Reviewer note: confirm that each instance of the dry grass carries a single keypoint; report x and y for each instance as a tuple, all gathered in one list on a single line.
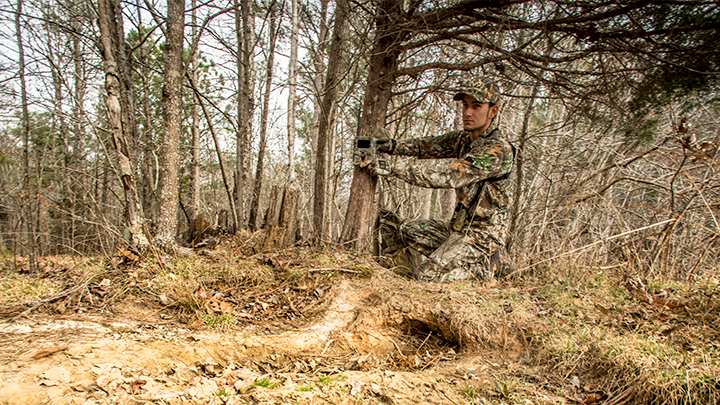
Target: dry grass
[(656, 342), (214, 290), (19, 288), (15, 288)]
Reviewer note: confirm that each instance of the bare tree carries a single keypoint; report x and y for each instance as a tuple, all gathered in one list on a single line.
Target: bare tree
[(194, 200), (28, 211), (254, 207), (332, 81), (172, 99), (119, 112), (292, 89), (318, 63), (245, 32)]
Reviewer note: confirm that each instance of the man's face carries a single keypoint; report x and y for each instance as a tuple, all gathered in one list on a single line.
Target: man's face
[(477, 116)]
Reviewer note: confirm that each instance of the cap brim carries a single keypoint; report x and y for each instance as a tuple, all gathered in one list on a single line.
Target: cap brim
[(459, 96)]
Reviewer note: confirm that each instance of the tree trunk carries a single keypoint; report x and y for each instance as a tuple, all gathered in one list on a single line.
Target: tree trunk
[(118, 119), (172, 125), (514, 236), (318, 80), (292, 91), (150, 170), (27, 203), (382, 69), (254, 207), (244, 30), (194, 200), (67, 215), (332, 81)]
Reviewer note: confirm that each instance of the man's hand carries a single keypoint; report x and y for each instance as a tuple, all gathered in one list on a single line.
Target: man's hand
[(385, 145)]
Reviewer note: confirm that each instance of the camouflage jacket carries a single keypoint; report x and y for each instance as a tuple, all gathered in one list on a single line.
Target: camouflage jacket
[(477, 171)]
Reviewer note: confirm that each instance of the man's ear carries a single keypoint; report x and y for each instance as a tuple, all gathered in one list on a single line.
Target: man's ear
[(492, 111)]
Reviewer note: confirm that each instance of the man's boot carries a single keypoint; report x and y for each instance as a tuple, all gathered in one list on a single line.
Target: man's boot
[(393, 253)]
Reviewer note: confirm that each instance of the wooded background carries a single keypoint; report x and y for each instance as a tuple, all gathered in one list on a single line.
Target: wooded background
[(127, 124)]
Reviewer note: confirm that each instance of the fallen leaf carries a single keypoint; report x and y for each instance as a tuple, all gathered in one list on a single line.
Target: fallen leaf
[(602, 309), (48, 351), (136, 386)]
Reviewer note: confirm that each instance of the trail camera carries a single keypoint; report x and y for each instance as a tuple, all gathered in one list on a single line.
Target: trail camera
[(365, 153)]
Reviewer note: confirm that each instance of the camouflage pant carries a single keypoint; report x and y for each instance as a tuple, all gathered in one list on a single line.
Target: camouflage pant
[(437, 254)]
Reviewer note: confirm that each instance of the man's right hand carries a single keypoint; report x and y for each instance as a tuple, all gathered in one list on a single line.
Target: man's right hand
[(380, 167)]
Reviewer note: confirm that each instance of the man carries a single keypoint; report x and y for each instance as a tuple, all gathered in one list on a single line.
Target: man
[(476, 162)]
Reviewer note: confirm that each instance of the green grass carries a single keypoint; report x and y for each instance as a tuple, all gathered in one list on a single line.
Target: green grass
[(470, 392), (265, 383), (218, 321), (17, 288), (324, 379)]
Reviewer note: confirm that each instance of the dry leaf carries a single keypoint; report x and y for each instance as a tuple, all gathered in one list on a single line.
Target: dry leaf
[(602, 309), (136, 386), (48, 351)]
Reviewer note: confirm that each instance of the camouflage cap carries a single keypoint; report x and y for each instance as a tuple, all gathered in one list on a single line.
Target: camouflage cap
[(481, 89)]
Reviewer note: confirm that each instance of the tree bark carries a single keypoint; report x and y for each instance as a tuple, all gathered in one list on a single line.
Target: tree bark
[(172, 125), (149, 170), (118, 119), (254, 207), (332, 81)]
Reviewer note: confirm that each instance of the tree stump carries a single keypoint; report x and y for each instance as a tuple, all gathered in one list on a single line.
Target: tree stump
[(279, 225)]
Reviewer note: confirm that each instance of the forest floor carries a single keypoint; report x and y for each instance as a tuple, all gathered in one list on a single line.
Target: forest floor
[(311, 326)]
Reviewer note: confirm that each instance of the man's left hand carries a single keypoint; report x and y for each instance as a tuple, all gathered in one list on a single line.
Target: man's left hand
[(379, 167), (385, 145)]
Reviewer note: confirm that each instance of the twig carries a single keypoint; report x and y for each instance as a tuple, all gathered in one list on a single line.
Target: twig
[(717, 226), (423, 342), (397, 347), (327, 346), (54, 298), (577, 361), (334, 269), (49, 351), (431, 361), (626, 395)]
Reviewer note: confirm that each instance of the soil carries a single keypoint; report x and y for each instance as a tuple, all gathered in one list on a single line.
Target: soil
[(357, 339)]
